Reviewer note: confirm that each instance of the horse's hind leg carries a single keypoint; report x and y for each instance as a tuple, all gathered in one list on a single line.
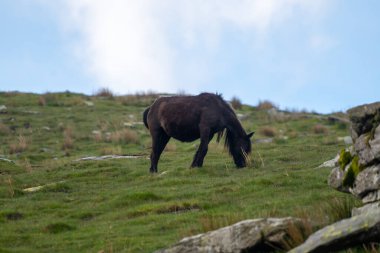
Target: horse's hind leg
[(159, 141), (203, 147)]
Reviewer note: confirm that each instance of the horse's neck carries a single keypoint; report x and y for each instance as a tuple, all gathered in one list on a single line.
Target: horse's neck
[(234, 126)]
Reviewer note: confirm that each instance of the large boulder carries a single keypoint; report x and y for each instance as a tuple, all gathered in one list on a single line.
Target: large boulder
[(335, 180), (367, 146), (364, 118), (367, 182), (360, 229), (245, 236)]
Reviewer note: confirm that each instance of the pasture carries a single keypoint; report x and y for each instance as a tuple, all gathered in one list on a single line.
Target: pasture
[(116, 205)]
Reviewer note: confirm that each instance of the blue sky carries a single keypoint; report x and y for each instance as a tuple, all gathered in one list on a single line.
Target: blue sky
[(321, 55)]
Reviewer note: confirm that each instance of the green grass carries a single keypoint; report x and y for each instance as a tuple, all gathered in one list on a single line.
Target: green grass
[(117, 205)]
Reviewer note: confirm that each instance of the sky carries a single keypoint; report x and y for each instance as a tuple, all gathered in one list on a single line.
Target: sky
[(319, 55)]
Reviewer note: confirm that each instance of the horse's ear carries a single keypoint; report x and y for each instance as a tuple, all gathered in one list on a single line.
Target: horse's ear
[(250, 134)]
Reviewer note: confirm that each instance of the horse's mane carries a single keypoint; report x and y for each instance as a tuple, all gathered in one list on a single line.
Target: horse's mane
[(227, 105), (230, 136)]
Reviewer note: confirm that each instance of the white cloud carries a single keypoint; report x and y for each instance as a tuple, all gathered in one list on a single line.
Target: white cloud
[(132, 45)]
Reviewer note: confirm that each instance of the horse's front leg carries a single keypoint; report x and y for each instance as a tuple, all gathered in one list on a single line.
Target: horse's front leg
[(159, 141), (202, 149)]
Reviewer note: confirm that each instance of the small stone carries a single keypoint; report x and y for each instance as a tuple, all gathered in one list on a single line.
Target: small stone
[(330, 163), (366, 208), (266, 140), (371, 197), (89, 103), (346, 139)]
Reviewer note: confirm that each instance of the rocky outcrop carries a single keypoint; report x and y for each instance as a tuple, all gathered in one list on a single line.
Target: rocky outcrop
[(367, 146), (367, 182), (246, 236), (358, 168), (363, 118), (357, 172), (354, 231)]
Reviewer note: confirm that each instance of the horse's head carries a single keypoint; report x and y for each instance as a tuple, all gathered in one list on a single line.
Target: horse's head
[(242, 149)]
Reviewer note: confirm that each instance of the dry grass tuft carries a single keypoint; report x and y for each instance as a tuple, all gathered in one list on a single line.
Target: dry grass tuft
[(212, 222), (268, 131), (296, 234), (320, 129), (19, 146), (97, 136), (41, 101), (124, 136), (171, 147), (26, 164), (4, 130), (236, 103), (11, 190), (337, 209), (51, 99), (68, 141), (265, 105), (113, 150), (104, 92)]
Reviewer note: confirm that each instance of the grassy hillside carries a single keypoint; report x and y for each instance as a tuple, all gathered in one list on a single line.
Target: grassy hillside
[(117, 205)]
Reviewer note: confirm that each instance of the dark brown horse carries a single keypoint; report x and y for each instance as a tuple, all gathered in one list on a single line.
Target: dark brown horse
[(187, 118)]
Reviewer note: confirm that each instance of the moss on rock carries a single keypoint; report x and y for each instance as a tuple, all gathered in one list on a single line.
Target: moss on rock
[(352, 171), (345, 158)]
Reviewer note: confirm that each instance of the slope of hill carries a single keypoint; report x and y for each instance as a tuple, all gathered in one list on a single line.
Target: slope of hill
[(116, 205)]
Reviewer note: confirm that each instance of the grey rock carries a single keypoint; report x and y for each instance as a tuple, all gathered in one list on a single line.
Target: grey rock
[(371, 197), (330, 163), (106, 157), (356, 230), (362, 117), (265, 140), (368, 150), (89, 103), (335, 180), (365, 209), (31, 112), (367, 181), (96, 132), (6, 160), (346, 139), (354, 134), (239, 237)]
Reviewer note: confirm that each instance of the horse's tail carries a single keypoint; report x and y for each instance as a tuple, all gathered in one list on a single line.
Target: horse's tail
[(145, 117)]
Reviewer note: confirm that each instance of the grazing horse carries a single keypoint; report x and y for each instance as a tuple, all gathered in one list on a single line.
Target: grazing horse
[(187, 118)]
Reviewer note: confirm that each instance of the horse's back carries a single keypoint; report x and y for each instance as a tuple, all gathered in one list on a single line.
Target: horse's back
[(181, 116)]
